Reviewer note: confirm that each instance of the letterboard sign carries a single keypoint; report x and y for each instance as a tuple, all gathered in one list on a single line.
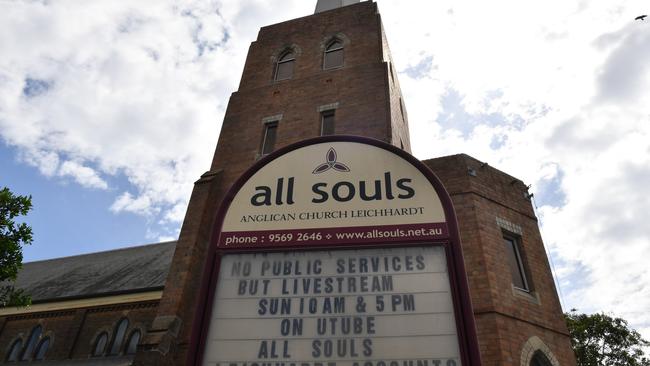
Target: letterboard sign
[(337, 251)]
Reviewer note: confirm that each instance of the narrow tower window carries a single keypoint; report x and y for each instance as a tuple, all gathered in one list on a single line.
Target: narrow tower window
[(517, 269), (327, 123), (270, 132), (285, 65), (333, 55)]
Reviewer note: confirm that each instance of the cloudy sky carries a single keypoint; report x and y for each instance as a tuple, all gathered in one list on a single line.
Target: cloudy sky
[(109, 110)]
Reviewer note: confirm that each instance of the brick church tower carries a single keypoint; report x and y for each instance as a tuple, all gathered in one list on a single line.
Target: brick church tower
[(332, 73)]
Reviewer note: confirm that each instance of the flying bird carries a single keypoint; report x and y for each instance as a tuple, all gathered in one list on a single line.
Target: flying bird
[(641, 17)]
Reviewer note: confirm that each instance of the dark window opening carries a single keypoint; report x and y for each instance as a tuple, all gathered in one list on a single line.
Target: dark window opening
[(118, 337), (31, 343), (540, 359), (401, 109), (285, 66), (517, 270), (333, 55), (132, 344), (100, 344), (327, 123), (42, 349), (270, 132), (14, 352)]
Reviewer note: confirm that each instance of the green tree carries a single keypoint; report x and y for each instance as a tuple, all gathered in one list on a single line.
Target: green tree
[(599, 339), (13, 237)]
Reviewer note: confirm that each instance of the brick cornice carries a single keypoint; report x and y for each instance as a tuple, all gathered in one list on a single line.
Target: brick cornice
[(487, 312), (461, 193)]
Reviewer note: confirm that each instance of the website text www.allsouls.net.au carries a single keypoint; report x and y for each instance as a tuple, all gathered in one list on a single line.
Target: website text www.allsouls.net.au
[(396, 233)]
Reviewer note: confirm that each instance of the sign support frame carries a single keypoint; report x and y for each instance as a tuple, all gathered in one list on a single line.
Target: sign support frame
[(463, 312)]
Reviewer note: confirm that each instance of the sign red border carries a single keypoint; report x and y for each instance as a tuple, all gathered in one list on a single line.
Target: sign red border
[(450, 240)]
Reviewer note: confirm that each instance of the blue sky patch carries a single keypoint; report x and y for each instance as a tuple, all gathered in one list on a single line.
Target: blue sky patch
[(36, 87), (572, 282), (454, 115), (66, 218), (549, 191), (421, 69), (498, 141)]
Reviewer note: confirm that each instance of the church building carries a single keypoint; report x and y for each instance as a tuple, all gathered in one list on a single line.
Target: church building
[(258, 277)]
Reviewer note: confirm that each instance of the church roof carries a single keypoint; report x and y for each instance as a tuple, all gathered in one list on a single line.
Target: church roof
[(134, 269)]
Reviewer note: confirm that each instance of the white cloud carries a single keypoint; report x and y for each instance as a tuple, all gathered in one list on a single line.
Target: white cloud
[(556, 93), (47, 162), (116, 89), (570, 83), (625, 75), (126, 202), (83, 175)]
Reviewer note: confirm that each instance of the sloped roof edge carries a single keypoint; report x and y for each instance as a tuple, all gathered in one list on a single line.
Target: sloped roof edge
[(123, 270)]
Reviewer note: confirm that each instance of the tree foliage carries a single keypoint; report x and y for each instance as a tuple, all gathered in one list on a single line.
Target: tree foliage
[(599, 339), (13, 236)]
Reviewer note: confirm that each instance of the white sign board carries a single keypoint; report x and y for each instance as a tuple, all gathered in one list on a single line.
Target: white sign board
[(334, 192), (352, 307)]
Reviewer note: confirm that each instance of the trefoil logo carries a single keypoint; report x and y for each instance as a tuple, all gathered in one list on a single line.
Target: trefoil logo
[(331, 163)]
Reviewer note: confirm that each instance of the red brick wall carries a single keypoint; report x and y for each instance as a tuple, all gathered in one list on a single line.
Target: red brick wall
[(106, 319), (56, 325), (505, 317), (368, 102), (398, 114), (366, 107), (72, 332)]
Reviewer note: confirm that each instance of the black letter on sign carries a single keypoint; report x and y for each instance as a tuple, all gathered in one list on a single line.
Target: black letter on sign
[(389, 186), (410, 192), (290, 191), (323, 195), (265, 197), (337, 196), (363, 191), (279, 192)]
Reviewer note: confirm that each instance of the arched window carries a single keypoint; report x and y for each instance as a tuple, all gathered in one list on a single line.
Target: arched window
[(132, 344), (31, 343), (333, 54), (41, 350), (14, 351), (100, 344), (540, 359), (536, 353), (285, 65), (118, 337)]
